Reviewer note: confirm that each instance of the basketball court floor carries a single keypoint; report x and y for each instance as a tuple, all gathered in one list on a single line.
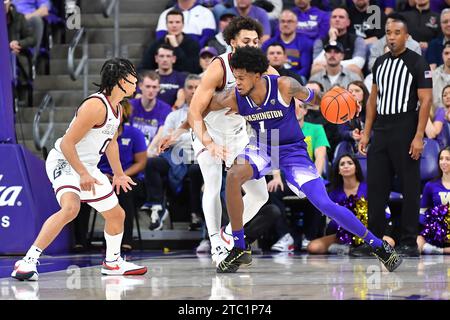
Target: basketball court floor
[(185, 276)]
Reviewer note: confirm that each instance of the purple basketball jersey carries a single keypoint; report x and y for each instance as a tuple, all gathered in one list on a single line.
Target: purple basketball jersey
[(274, 121)]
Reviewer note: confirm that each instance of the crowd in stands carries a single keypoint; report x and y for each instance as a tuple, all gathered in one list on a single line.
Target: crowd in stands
[(322, 44)]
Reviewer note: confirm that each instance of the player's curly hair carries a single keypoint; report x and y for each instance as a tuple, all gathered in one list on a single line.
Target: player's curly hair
[(250, 59), (112, 71), (241, 23)]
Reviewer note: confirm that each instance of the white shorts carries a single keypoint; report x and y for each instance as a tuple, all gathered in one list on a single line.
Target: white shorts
[(234, 145), (65, 179)]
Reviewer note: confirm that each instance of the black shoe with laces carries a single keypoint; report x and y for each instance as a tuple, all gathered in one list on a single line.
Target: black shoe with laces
[(388, 256), (235, 259)]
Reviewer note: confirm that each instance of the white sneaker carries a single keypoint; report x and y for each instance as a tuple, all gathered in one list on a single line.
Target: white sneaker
[(218, 254), (284, 244), (204, 246), (430, 249), (122, 268), (339, 249), (25, 269), (226, 235)]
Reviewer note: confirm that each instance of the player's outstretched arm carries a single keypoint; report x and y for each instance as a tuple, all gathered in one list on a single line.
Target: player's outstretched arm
[(211, 80), (291, 88)]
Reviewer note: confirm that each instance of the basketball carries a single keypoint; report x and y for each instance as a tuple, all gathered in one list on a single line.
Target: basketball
[(338, 105)]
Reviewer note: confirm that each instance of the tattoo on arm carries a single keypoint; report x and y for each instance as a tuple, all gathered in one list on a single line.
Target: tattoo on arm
[(297, 90)]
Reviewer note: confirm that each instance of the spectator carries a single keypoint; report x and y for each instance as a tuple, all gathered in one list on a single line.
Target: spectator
[(435, 193), (423, 24), (441, 75), (312, 22), (245, 8), (20, 38), (186, 49), (334, 73), (351, 130), (200, 22), (218, 42), (298, 48), (34, 11), (362, 22), (434, 130), (171, 81), (172, 164), (277, 57), (207, 55), (149, 112), (436, 46), (355, 48)]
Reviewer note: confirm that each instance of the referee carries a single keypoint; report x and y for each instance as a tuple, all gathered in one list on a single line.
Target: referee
[(397, 111)]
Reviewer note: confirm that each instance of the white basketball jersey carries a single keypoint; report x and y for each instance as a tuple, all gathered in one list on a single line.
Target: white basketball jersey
[(217, 122), (93, 145)]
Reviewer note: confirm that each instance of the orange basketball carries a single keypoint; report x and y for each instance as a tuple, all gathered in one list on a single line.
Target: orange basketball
[(338, 105)]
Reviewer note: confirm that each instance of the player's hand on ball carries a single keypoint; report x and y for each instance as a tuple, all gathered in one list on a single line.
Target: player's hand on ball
[(123, 182), (88, 182)]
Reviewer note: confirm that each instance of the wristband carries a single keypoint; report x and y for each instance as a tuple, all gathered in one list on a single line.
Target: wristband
[(310, 96)]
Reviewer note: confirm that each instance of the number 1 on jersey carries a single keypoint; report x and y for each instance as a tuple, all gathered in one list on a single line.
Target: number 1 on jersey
[(261, 126)]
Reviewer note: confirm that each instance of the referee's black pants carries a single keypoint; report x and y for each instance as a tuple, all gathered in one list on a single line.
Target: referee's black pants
[(389, 155)]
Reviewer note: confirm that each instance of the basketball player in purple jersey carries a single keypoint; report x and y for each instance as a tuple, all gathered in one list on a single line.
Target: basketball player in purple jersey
[(267, 103)]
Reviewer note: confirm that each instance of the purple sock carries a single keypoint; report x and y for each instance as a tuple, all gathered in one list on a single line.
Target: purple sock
[(316, 193), (238, 237)]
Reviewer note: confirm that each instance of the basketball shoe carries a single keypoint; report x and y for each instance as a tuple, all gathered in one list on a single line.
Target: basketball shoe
[(284, 244), (25, 269), (226, 235), (122, 267), (235, 259), (219, 250), (388, 256)]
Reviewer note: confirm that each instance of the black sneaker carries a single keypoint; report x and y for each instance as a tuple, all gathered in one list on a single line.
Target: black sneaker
[(388, 256), (235, 258), (408, 251), (363, 250)]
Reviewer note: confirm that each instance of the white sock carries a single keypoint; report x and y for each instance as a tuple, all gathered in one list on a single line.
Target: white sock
[(256, 195), (430, 249), (113, 246), (33, 253)]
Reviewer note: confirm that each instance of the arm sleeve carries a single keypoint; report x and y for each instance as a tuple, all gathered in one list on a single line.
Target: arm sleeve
[(41, 3), (161, 27), (148, 59), (27, 38), (318, 53), (208, 28), (427, 198), (423, 74), (324, 25), (375, 51)]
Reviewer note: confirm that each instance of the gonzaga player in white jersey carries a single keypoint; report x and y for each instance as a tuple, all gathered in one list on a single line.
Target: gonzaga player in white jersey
[(72, 168), (228, 133)]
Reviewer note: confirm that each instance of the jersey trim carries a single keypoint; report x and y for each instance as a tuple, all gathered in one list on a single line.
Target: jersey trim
[(99, 199), (115, 112), (224, 78), (97, 126), (65, 187)]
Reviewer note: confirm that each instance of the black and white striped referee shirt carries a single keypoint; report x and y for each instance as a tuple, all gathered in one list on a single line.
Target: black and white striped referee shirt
[(398, 79)]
